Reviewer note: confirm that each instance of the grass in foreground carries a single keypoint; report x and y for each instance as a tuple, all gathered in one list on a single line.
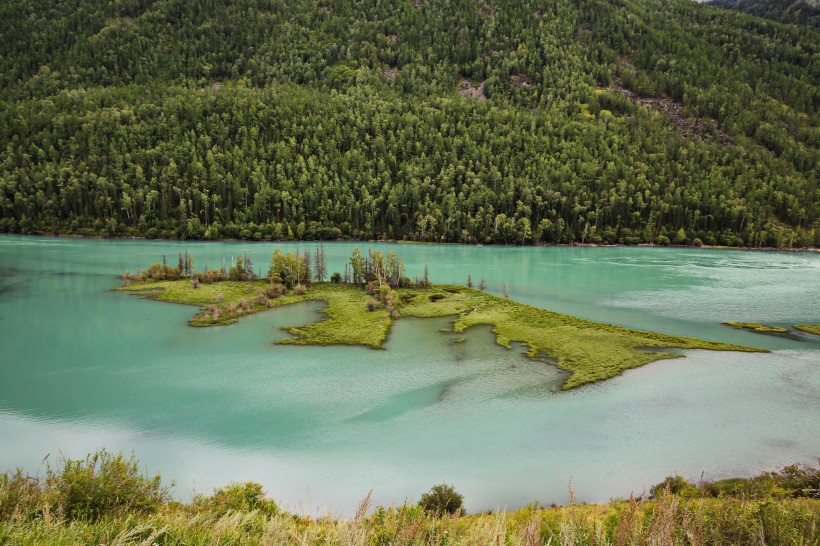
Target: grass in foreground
[(668, 521), (810, 328), (757, 327), (590, 351), (105, 500)]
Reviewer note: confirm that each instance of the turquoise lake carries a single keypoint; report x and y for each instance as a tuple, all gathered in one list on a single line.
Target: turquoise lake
[(84, 367)]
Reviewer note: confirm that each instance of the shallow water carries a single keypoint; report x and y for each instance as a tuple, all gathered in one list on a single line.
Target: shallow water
[(84, 367)]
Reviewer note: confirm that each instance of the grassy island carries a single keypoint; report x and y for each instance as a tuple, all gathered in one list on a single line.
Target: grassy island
[(361, 311), (810, 328), (757, 327)]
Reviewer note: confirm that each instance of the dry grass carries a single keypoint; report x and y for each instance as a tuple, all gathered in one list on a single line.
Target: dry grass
[(669, 521)]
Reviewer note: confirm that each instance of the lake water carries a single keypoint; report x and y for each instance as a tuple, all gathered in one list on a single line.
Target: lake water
[(84, 367)]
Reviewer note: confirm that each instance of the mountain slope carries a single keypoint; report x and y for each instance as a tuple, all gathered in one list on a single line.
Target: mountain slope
[(785, 11), (473, 121)]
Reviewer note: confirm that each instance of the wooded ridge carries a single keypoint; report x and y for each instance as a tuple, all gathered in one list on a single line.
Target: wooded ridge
[(584, 121)]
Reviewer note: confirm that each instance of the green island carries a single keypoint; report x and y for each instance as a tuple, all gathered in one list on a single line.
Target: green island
[(105, 499), (363, 303), (757, 327), (810, 328)]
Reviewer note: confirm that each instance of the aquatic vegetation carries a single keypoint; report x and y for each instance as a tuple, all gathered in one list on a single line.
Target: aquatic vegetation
[(590, 351), (757, 327), (810, 328)]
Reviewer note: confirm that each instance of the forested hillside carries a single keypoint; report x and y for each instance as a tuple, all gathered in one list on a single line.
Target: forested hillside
[(798, 12), (485, 121)]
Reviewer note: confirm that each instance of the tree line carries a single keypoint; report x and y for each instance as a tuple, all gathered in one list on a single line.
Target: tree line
[(291, 269)]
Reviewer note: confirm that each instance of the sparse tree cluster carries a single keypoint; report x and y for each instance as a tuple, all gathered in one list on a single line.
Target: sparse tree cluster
[(292, 269), (242, 269), (289, 269)]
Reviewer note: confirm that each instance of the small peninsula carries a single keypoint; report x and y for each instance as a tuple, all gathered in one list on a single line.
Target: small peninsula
[(809, 328), (757, 327), (363, 302)]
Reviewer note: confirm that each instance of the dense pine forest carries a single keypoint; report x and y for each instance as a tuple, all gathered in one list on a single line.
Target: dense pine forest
[(801, 12), (476, 121)]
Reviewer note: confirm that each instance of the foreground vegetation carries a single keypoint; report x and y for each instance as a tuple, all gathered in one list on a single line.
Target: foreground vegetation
[(104, 500), (655, 121), (360, 312)]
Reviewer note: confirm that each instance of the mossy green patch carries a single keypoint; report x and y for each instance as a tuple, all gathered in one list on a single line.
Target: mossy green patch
[(757, 327), (590, 351), (810, 328), (348, 321)]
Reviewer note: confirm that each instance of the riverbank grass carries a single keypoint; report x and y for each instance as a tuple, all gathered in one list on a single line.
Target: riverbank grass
[(589, 351), (106, 499), (670, 520)]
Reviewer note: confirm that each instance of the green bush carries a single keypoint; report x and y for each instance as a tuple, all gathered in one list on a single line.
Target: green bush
[(103, 484), (236, 497), (676, 485), (20, 496), (791, 481), (797, 480), (442, 498)]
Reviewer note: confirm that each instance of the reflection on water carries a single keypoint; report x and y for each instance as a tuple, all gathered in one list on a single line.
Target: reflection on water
[(84, 367)]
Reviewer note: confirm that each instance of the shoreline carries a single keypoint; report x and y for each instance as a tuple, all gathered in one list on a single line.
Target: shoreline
[(812, 249)]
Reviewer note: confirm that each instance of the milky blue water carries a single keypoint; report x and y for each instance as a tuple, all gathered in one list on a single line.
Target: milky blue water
[(84, 367)]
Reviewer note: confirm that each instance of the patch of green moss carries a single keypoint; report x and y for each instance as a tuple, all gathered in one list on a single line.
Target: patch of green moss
[(347, 321), (757, 327), (810, 328), (590, 351)]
